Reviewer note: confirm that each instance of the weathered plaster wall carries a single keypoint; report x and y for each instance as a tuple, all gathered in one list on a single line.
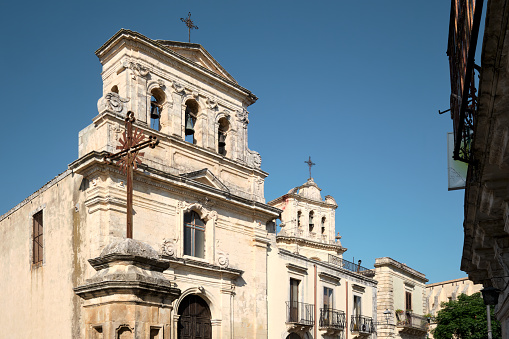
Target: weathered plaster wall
[(38, 300)]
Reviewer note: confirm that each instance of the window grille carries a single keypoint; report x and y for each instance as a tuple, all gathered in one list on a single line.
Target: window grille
[(37, 238)]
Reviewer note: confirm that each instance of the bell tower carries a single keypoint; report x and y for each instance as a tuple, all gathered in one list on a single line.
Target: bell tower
[(183, 96), (308, 222)]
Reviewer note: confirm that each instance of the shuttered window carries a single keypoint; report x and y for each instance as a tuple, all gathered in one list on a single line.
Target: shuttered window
[(37, 238), (408, 300)]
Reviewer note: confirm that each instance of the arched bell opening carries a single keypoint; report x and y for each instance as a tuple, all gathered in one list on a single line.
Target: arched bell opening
[(222, 133), (323, 225), (194, 318), (311, 222), (156, 107), (190, 117)]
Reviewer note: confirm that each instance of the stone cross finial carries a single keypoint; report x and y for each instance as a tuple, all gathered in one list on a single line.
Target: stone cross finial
[(310, 163)]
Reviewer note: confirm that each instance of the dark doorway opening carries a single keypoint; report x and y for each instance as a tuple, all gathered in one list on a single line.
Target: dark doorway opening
[(194, 321)]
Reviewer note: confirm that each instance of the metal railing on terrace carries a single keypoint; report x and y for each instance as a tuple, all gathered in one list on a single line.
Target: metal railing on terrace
[(410, 320), (362, 323), (331, 318), (300, 313), (350, 266)]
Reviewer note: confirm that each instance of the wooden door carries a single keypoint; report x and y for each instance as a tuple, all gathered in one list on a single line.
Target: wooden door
[(194, 321)]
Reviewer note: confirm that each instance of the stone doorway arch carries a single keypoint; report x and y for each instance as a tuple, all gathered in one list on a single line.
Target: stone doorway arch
[(194, 319), (293, 335)]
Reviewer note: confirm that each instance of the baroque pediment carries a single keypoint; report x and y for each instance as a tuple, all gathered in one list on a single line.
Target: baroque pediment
[(197, 54), (206, 177)]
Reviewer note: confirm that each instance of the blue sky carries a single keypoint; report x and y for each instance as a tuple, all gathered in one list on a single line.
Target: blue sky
[(356, 85)]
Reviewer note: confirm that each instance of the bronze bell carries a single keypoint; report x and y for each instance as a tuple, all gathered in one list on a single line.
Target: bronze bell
[(189, 125), (222, 140), (154, 112)]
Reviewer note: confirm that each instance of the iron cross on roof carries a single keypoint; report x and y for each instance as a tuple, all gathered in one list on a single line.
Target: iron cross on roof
[(310, 163), (128, 160), (189, 23)]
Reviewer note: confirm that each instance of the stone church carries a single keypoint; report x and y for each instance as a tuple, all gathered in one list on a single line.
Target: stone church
[(202, 257)]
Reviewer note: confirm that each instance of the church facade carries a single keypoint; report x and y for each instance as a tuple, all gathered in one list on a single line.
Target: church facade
[(196, 266), (203, 257)]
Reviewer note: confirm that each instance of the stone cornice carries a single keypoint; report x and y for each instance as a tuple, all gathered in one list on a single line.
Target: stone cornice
[(448, 282), (329, 278), (301, 198), (386, 261), (137, 37), (346, 273), (169, 139), (176, 263), (297, 269), (93, 162), (310, 243)]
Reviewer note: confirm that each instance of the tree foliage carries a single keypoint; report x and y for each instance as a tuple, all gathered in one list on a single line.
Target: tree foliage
[(465, 318)]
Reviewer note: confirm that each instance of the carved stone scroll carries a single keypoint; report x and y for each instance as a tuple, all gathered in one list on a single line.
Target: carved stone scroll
[(113, 102)]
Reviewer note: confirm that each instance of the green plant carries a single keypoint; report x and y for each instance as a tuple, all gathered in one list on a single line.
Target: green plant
[(465, 318), (398, 311)]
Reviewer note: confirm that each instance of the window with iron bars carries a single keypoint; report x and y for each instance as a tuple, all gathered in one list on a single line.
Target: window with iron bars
[(37, 238)]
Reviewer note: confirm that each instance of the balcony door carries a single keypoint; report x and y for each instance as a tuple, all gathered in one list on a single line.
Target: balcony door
[(294, 300), (327, 305)]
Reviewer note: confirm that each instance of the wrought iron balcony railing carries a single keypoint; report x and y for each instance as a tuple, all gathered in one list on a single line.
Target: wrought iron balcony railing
[(300, 313), (331, 318), (410, 320), (350, 266), (464, 28), (361, 323)]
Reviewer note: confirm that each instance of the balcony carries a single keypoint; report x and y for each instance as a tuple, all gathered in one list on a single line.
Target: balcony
[(362, 325), (350, 266), (332, 321), (299, 316), (412, 324)]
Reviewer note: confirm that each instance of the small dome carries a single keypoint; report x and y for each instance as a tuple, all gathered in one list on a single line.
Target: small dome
[(310, 190), (130, 246)]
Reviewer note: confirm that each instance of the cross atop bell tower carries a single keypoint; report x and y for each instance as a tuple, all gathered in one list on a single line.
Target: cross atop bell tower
[(310, 164)]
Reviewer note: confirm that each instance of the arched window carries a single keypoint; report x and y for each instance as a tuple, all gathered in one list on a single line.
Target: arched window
[(311, 224), (190, 117), (224, 125), (194, 235), (114, 89), (323, 225), (299, 217), (156, 106)]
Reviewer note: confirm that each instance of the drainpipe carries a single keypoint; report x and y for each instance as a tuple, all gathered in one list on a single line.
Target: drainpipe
[(316, 326), (346, 311)]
